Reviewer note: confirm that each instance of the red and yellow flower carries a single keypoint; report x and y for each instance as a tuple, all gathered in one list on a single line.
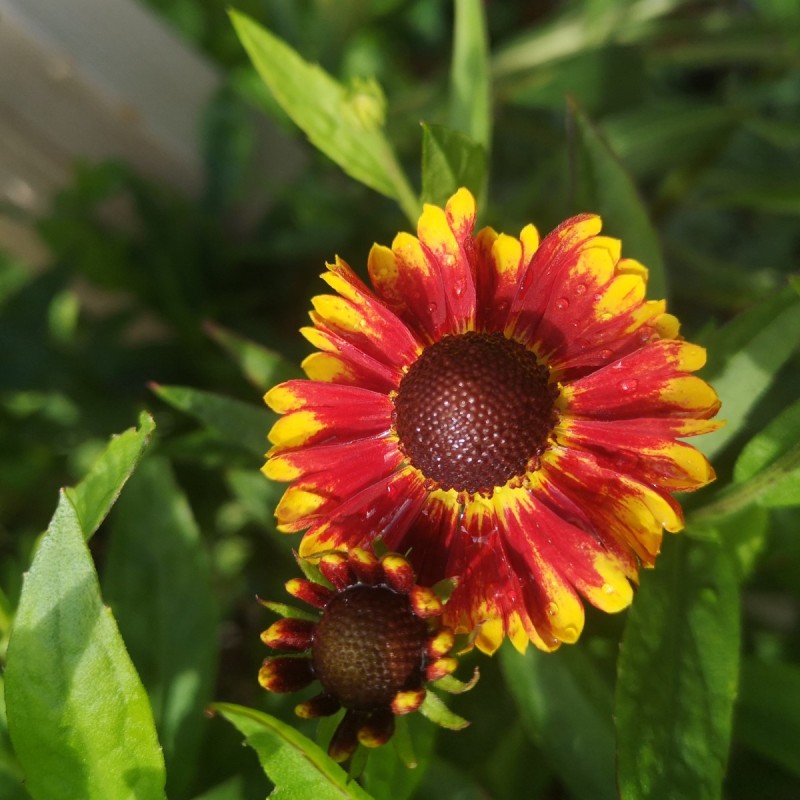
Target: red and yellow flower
[(375, 646), (506, 410)]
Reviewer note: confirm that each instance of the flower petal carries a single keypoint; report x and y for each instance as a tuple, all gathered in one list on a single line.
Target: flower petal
[(650, 382), (383, 509)]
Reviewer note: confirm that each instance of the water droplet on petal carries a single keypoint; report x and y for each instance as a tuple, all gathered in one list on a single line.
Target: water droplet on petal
[(580, 289), (582, 343), (608, 589), (459, 288), (432, 308), (562, 304), (552, 609), (629, 385), (605, 354)]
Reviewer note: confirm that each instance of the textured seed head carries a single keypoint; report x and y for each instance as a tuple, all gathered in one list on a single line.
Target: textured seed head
[(368, 646), (474, 410)]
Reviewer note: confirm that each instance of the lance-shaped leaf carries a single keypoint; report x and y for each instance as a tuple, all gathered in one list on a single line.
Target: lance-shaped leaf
[(157, 580), (566, 708), (345, 124), (604, 186), (297, 766), (450, 160), (238, 423), (78, 716), (260, 365), (96, 493), (677, 676), (748, 352), (470, 81)]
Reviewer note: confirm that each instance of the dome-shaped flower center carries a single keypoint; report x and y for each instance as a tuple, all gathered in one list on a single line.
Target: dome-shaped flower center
[(474, 411), (368, 646)]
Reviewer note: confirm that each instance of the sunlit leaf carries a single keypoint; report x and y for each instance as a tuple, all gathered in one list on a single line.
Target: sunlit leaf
[(96, 493), (677, 676), (297, 766), (78, 715), (567, 709), (158, 583), (346, 125)]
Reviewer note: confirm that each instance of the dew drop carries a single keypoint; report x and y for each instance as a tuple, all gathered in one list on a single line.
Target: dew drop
[(562, 304), (552, 609), (569, 634), (609, 589), (580, 289), (432, 308), (629, 385), (459, 288), (582, 343), (605, 354)]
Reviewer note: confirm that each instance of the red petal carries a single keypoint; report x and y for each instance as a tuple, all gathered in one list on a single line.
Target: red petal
[(378, 728), (284, 674), (289, 634), (309, 592)]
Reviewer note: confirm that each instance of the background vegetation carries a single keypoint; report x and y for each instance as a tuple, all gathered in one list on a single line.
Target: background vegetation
[(679, 121)]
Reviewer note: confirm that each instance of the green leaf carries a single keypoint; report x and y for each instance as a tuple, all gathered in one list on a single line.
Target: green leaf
[(435, 709), (298, 767), (748, 352), (775, 454), (345, 124), (677, 675), (78, 715), (262, 367), (450, 160), (606, 188), (768, 712), (12, 778), (236, 422), (96, 493), (157, 581), (470, 82), (566, 708)]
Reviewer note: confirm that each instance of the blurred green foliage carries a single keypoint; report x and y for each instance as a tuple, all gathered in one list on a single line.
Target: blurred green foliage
[(679, 120)]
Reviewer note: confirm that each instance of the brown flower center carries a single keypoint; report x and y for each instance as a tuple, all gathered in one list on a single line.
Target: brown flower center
[(368, 646), (474, 411)]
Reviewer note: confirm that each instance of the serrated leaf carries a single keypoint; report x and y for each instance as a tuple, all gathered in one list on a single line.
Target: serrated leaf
[(748, 352), (261, 366), (157, 581), (677, 676), (347, 126), (450, 160), (96, 493), (566, 708), (470, 82), (236, 422), (606, 188), (298, 767), (768, 712), (78, 715)]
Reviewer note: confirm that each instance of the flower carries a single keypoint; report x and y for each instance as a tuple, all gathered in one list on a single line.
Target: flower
[(504, 410), (373, 648)]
